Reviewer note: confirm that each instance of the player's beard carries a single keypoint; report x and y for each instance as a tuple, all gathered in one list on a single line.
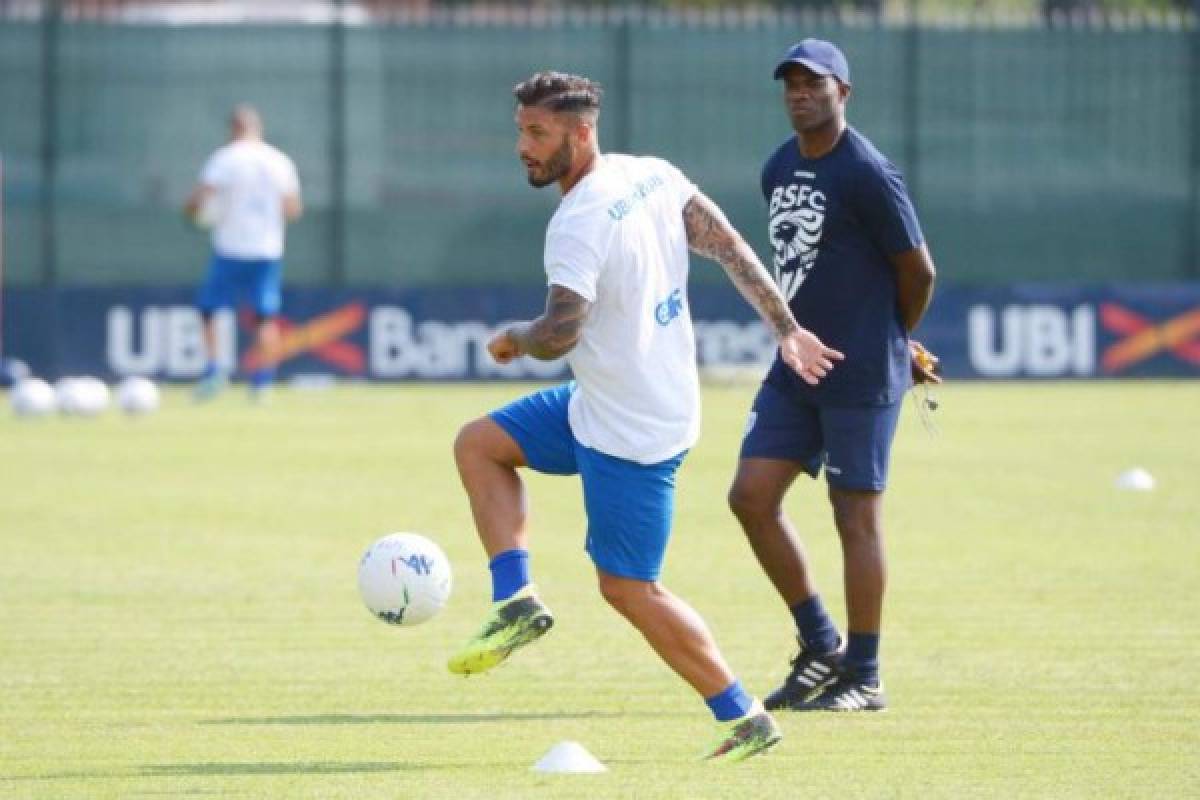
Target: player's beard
[(555, 167)]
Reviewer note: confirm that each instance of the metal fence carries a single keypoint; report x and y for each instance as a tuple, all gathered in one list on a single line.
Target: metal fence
[(1038, 148)]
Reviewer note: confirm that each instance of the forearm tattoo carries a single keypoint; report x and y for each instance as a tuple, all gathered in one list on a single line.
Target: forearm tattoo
[(710, 235), (557, 330)]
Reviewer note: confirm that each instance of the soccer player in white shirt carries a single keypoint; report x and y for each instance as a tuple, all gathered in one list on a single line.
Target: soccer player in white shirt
[(616, 258), (248, 191)]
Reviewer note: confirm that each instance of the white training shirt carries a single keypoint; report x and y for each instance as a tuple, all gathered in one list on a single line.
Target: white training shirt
[(618, 240), (250, 179)]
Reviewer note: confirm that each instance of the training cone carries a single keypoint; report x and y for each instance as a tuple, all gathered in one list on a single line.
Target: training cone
[(569, 757), (1136, 480)]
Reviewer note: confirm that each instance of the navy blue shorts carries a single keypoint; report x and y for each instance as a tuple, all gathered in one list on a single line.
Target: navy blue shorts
[(233, 280), (629, 505), (852, 442)]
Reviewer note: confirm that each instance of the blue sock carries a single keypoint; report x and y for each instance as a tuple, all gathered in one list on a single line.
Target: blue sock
[(211, 370), (731, 703), (510, 572), (815, 625), (262, 378), (862, 657)]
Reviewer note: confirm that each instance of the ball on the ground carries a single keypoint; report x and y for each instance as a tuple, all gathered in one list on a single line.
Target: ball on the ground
[(404, 579), (67, 394), (82, 396), (137, 395), (33, 397)]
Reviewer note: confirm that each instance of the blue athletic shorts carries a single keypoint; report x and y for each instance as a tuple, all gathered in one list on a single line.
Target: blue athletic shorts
[(852, 442), (233, 280), (629, 505)]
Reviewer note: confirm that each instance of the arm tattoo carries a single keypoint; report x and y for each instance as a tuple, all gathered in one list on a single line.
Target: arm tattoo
[(710, 235), (557, 330)]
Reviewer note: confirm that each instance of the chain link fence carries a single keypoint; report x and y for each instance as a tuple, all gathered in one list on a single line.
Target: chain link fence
[(1042, 142)]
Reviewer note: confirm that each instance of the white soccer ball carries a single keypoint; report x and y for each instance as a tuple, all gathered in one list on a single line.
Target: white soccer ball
[(96, 396), (137, 395), (84, 397), (404, 579), (33, 397), (68, 394)]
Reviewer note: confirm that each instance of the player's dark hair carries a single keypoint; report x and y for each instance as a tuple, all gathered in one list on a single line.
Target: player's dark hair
[(560, 92)]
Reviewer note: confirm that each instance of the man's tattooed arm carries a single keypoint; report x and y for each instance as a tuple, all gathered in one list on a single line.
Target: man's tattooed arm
[(557, 330), (710, 235)]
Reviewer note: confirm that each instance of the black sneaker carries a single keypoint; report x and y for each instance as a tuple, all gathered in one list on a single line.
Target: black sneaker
[(847, 693), (811, 672)]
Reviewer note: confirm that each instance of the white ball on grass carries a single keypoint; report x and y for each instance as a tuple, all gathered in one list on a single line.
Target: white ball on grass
[(33, 397), (137, 395)]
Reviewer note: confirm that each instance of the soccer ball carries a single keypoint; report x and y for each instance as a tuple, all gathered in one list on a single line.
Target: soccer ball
[(137, 395), (83, 397), (404, 579), (68, 394), (94, 396), (33, 397)]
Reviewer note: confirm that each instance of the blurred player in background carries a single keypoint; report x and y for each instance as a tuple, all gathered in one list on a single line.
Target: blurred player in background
[(850, 258), (616, 258), (247, 192)]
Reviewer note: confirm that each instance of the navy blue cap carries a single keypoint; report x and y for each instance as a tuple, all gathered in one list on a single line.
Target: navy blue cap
[(822, 57)]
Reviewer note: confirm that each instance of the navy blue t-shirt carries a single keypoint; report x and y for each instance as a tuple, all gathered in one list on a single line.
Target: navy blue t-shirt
[(834, 221)]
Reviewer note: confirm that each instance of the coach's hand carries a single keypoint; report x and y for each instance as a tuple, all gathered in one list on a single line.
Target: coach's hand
[(503, 347), (807, 355), (924, 364)]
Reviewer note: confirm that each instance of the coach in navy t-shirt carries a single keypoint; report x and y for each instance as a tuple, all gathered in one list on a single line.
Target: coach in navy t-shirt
[(849, 255), (835, 221)]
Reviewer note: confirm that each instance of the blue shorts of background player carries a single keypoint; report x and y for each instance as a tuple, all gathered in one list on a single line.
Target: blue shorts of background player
[(853, 442), (629, 505), (231, 281)]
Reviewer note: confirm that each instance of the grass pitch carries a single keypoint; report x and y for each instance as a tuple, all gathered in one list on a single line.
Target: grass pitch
[(179, 616)]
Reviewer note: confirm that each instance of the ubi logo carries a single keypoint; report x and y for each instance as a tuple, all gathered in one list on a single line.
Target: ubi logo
[(670, 308), (1035, 340)]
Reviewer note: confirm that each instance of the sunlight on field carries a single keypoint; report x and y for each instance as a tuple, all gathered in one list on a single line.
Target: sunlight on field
[(180, 612)]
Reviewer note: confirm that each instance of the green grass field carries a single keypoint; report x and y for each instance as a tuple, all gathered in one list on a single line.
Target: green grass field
[(179, 615)]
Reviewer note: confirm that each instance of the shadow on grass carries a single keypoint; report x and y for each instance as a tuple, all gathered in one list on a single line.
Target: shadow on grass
[(60, 776), (411, 719), (275, 768), (202, 768)]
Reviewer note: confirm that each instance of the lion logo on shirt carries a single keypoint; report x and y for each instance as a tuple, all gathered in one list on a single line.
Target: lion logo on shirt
[(794, 237), (797, 219)]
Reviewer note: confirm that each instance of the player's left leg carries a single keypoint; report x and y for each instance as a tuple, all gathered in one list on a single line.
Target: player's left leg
[(681, 638), (858, 444), (217, 291), (673, 628), (215, 377), (629, 508), (266, 343), (265, 284)]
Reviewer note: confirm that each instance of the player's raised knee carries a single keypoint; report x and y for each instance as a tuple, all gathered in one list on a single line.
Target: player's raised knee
[(471, 442), (482, 440)]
